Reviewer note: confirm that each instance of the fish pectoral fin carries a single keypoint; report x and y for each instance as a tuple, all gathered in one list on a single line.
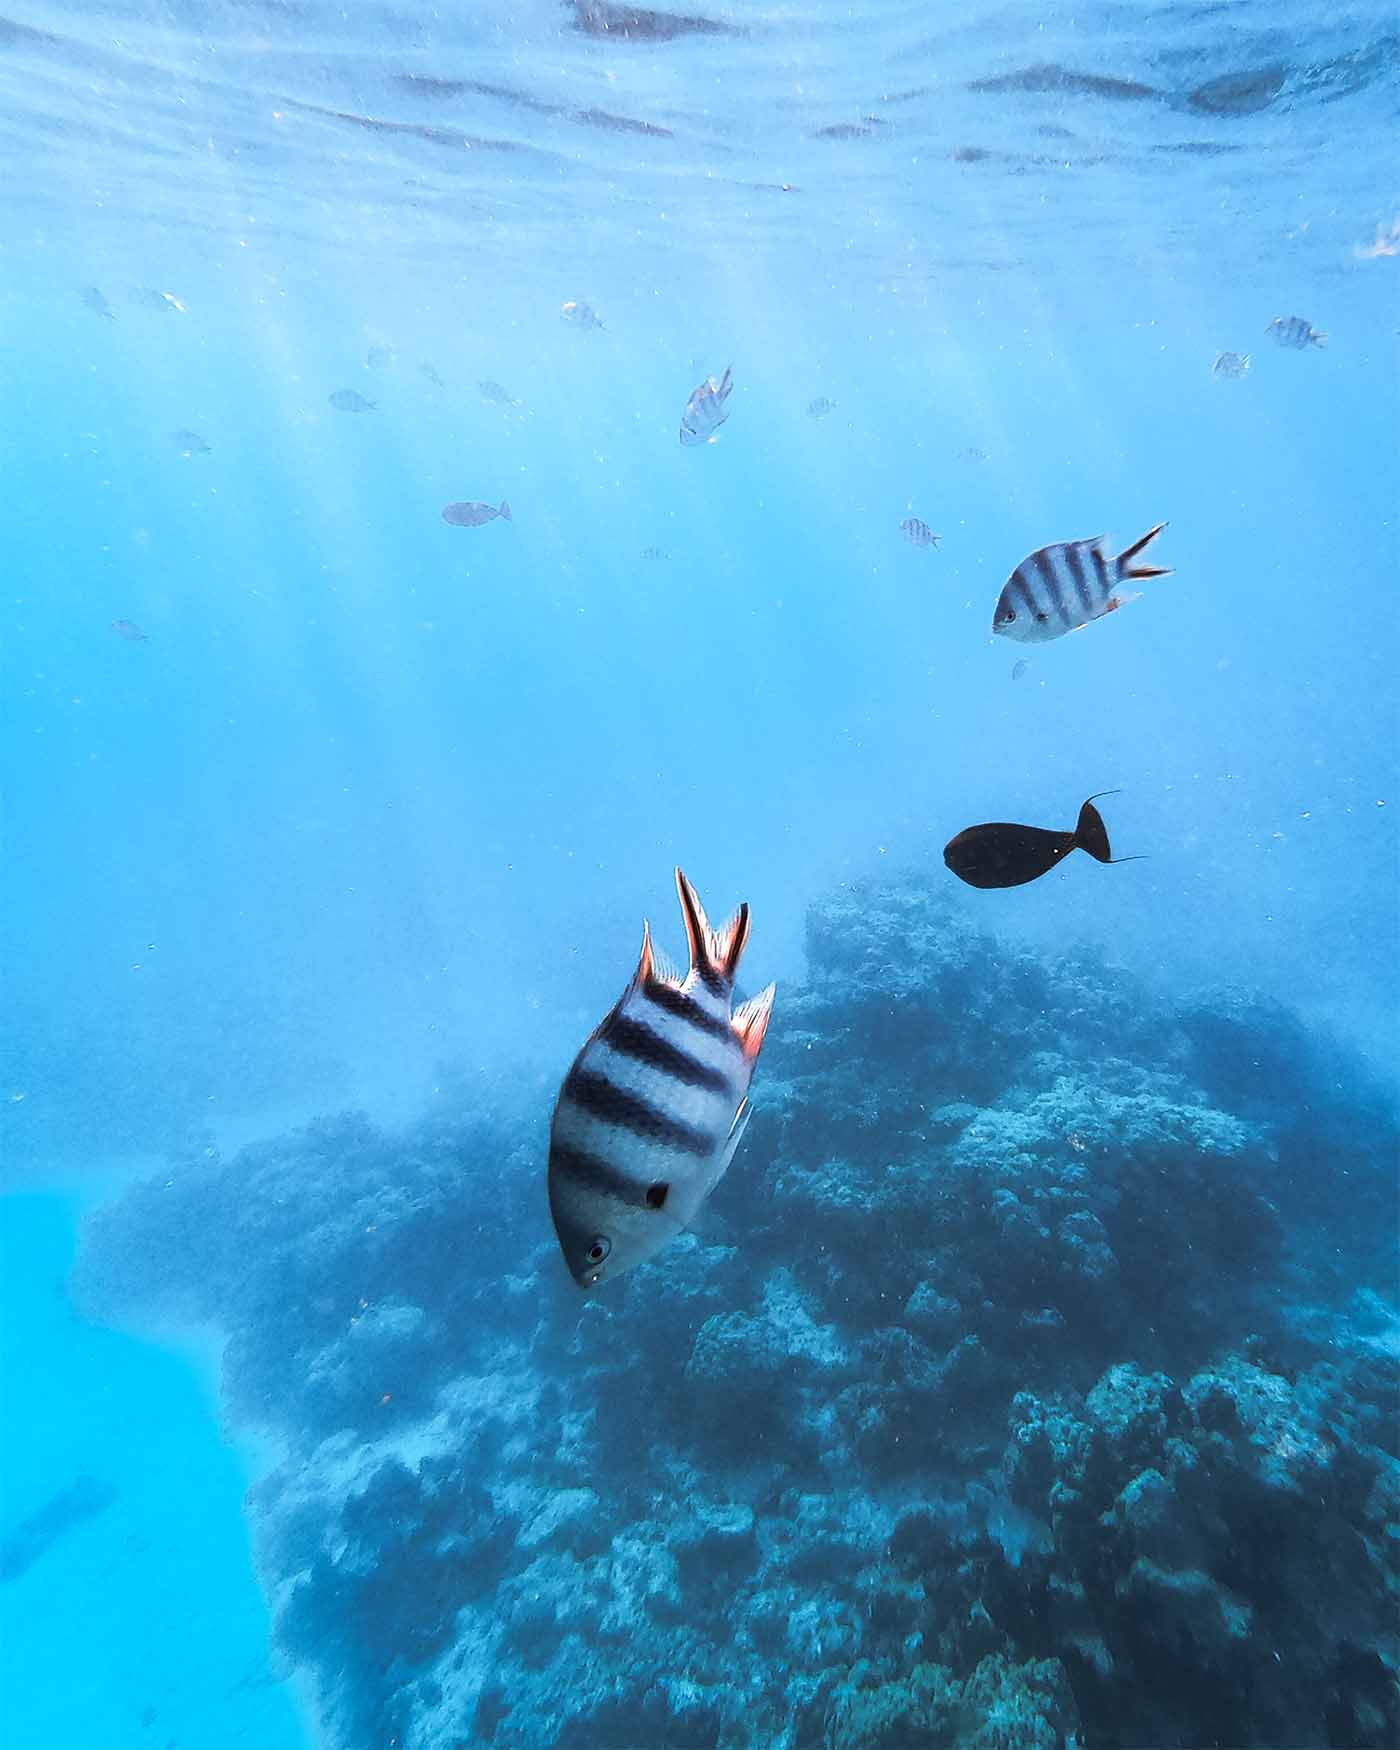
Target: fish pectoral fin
[(719, 1164), (732, 1141), (750, 1021)]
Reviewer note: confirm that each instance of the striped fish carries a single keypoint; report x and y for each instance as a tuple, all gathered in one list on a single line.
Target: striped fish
[(650, 1115), (705, 412), (918, 533), (1295, 331), (1059, 589)]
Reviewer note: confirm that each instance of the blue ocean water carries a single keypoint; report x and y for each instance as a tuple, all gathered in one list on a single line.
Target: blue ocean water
[(368, 815)]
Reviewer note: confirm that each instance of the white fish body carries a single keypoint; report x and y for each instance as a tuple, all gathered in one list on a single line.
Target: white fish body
[(580, 314), (706, 411), (1061, 588), (655, 1105)]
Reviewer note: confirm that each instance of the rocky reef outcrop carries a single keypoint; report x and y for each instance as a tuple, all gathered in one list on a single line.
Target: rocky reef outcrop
[(1032, 1383)]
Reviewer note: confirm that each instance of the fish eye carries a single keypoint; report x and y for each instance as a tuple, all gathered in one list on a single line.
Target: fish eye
[(1007, 616), (598, 1248)]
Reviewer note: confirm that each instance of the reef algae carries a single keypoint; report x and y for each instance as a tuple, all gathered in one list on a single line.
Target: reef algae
[(1033, 1398)]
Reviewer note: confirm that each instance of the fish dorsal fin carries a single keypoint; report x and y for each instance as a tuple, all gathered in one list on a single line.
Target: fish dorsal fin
[(653, 968), (750, 1021), (715, 953)]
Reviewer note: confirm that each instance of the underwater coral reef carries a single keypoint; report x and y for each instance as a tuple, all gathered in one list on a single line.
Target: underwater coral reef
[(1032, 1383)]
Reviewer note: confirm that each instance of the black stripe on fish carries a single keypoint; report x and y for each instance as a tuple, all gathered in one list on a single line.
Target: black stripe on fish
[(1018, 582), (1053, 595), (1101, 570), (633, 1039), (684, 1008), (592, 1173), (1074, 556), (596, 1095)]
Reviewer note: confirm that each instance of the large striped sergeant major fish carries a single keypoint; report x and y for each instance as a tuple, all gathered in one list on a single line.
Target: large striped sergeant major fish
[(1059, 589), (656, 1103)]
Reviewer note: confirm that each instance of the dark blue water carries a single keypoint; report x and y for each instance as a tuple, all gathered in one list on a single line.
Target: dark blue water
[(370, 817)]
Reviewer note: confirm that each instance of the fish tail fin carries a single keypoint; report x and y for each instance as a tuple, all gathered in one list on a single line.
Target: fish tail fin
[(1318, 339), (1090, 833), (750, 1021), (505, 512), (1126, 569), (713, 952)]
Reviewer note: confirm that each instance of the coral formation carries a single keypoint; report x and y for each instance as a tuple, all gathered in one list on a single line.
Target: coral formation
[(1034, 1386)]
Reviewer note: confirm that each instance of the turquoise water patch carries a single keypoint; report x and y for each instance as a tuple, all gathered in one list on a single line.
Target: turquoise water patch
[(129, 1615)]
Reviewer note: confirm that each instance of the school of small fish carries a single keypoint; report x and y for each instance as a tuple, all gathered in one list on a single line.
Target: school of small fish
[(655, 1105)]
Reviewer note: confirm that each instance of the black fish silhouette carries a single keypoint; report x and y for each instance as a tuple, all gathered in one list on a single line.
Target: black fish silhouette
[(1002, 854)]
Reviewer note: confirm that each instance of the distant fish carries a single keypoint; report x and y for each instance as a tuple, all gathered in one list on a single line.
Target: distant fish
[(95, 302), (1230, 364), (917, 533), (378, 357), (656, 1103), (655, 555), (351, 401), (819, 408), (705, 412), (1019, 668), (1295, 331), (429, 370), (129, 630), (973, 454), (63, 1512), (1059, 589), (1000, 854), (496, 394), (190, 443), (580, 314), (1387, 242), (150, 299), (471, 513)]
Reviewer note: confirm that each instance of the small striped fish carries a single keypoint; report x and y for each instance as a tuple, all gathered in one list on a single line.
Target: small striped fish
[(1295, 331), (918, 533), (1059, 589), (650, 1115), (705, 412)]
